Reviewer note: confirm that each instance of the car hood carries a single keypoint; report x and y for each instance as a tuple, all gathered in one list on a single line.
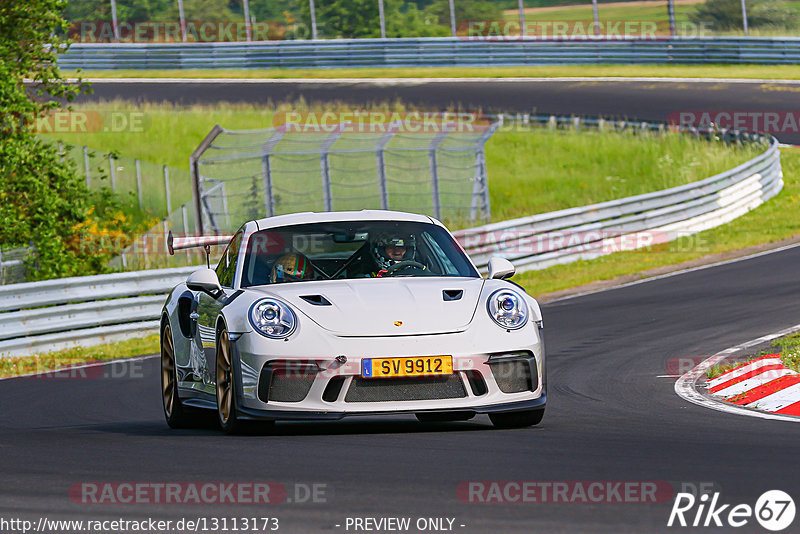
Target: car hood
[(385, 306)]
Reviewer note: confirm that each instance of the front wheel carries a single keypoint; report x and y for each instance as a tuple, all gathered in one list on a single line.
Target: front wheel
[(226, 390), (174, 412), (517, 419)]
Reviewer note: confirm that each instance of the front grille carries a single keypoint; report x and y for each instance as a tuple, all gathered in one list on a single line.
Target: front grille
[(513, 376), (285, 384), (405, 389)]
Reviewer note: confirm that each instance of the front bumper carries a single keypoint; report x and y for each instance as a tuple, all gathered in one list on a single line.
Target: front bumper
[(252, 414), (307, 391)]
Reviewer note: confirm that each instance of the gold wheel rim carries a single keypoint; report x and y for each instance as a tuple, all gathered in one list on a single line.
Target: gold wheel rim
[(224, 388), (167, 371)]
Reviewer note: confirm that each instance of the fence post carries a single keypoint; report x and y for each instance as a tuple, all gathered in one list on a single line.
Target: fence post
[(266, 168), (194, 168), (166, 190), (327, 194), (380, 150), (86, 165), (61, 151), (186, 231), (266, 173), (480, 190), (139, 181), (436, 199), (112, 172)]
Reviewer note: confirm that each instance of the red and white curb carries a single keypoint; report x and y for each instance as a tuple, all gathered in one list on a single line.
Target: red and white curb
[(762, 384), (761, 388)]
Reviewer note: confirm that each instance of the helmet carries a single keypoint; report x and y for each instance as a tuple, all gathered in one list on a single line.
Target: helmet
[(386, 239), (291, 267)]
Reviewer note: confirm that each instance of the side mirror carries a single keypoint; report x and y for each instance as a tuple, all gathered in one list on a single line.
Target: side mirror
[(500, 268), (204, 280)]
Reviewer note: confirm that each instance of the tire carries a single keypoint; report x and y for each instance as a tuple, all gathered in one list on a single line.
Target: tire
[(442, 417), (226, 387), (174, 412), (517, 419)]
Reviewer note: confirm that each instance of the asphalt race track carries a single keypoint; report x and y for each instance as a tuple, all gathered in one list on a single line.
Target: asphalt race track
[(648, 100), (610, 418)]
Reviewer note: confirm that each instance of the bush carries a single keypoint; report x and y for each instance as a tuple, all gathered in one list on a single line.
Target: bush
[(44, 204)]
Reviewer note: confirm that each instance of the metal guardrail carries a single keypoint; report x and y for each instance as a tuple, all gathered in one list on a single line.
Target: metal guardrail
[(86, 310), (431, 51), (588, 232), (56, 314)]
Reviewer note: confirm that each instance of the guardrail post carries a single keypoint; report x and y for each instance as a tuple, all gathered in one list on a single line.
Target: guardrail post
[(166, 190), (139, 181), (86, 166)]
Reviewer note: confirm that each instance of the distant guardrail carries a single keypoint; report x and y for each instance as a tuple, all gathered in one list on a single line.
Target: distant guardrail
[(587, 232), (430, 52), (86, 310)]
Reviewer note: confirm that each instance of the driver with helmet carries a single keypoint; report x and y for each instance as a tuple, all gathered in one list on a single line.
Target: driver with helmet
[(389, 249), (292, 267)]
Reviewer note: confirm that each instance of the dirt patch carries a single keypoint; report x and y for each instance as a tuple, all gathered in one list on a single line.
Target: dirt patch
[(658, 271)]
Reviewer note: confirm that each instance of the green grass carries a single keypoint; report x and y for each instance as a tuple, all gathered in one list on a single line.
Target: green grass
[(529, 171), (51, 361), (788, 347), (785, 72), (773, 221)]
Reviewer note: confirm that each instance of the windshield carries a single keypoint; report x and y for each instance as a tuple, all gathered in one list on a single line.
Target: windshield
[(352, 249)]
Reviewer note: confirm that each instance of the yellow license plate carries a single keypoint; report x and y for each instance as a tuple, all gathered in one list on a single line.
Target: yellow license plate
[(417, 366)]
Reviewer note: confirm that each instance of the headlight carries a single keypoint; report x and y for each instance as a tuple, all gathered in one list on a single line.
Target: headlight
[(508, 309), (272, 318)]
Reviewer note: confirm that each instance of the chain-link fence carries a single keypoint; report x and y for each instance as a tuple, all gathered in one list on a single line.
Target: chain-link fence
[(436, 168)]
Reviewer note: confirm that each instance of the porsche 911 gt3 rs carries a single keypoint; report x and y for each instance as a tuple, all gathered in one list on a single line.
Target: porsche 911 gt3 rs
[(315, 316)]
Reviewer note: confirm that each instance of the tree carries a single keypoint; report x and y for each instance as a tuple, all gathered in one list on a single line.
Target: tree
[(724, 15), (466, 10), (43, 202), (359, 18)]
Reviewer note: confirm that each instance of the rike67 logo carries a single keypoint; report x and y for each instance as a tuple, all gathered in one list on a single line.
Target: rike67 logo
[(774, 510)]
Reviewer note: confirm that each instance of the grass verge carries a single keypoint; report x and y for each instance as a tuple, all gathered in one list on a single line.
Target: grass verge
[(530, 171), (52, 361), (761, 72), (771, 222), (788, 348)]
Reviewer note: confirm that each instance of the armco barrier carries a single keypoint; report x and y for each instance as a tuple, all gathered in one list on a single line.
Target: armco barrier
[(57, 314), (430, 52), (539, 241)]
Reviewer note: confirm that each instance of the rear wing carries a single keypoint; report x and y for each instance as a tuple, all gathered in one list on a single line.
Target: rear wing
[(205, 241)]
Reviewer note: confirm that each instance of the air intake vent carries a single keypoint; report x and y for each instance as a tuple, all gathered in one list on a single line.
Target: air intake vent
[(316, 300), (452, 294)]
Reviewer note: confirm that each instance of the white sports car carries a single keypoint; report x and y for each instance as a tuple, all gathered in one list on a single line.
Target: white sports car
[(326, 315)]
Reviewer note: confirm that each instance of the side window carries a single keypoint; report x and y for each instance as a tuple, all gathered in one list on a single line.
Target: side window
[(226, 268)]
